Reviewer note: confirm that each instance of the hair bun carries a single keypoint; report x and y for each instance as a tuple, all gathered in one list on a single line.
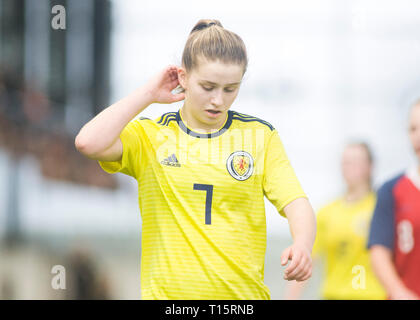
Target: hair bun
[(206, 23)]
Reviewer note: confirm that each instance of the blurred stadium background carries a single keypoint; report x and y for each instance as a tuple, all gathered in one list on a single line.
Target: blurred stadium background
[(323, 72)]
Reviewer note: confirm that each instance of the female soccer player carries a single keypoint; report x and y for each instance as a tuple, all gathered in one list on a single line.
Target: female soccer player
[(394, 239), (343, 227), (202, 174)]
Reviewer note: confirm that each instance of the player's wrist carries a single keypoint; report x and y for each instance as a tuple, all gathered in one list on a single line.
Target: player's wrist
[(305, 244), (147, 95)]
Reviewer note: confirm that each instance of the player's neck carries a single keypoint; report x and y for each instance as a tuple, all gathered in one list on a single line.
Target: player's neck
[(357, 192), (197, 126)]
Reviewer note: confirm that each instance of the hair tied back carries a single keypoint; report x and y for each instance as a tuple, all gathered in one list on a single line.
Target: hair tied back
[(204, 24)]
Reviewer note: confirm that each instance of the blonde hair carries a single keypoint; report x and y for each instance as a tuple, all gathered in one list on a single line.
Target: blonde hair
[(208, 39)]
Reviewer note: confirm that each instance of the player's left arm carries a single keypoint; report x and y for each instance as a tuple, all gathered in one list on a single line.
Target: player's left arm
[(302, 223)]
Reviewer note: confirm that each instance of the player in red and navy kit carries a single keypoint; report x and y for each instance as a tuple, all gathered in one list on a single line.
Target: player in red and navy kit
[(394, 239)]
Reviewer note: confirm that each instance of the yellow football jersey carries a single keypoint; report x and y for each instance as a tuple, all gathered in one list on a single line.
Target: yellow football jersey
[(342, 231), (201, 199)]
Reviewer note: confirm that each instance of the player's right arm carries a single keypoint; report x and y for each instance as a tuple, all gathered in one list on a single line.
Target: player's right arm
[(99, 139), (294, 289)]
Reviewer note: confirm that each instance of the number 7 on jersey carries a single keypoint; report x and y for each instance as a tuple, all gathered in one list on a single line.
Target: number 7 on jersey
[(209, 196)]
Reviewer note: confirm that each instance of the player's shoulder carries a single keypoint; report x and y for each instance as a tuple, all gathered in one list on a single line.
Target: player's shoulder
[(249, 120), (166, 118), (136, 124), (162, 120), (389, 185)]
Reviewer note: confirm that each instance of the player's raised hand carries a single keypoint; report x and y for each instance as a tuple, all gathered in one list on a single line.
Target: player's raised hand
[(162, 84), (300, 267)]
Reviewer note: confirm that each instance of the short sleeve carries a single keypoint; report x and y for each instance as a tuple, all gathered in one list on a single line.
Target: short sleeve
[(280, 183), (132, 152), (382, 223)]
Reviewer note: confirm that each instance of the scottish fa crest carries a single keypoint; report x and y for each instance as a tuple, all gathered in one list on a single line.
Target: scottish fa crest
[(240, 165)]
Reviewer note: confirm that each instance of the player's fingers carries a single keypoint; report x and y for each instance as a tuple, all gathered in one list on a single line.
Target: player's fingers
[(303, 273), (296, 269), (296, 260), (307, 276), (304, 264), (297, 274), (285, 256)]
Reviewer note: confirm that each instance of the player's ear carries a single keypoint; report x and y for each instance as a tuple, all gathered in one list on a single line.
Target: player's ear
[(182, 77)]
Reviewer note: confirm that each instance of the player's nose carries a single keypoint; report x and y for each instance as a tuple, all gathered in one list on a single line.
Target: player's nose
[(217, 98)]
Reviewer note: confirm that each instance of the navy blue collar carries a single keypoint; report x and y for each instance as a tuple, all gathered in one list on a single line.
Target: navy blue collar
[(187, 130)]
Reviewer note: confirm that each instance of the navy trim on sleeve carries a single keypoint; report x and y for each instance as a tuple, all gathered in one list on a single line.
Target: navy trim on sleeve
[(382, 224)]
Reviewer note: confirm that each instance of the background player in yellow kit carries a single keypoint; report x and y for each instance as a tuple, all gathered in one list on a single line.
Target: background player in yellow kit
[(202, 174), (343, 227)]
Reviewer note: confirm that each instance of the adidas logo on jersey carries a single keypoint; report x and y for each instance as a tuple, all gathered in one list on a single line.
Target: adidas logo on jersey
[(171, 161)]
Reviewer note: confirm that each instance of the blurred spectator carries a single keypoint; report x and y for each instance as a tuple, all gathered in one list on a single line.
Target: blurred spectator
[(85, 281), (36, 106), (25, 115)]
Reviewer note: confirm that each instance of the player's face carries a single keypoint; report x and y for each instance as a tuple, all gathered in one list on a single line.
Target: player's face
[(355, 165), (210, 90), (414, 129)]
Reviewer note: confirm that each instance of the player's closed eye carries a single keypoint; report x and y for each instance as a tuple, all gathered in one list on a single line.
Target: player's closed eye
[(211, 88)]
